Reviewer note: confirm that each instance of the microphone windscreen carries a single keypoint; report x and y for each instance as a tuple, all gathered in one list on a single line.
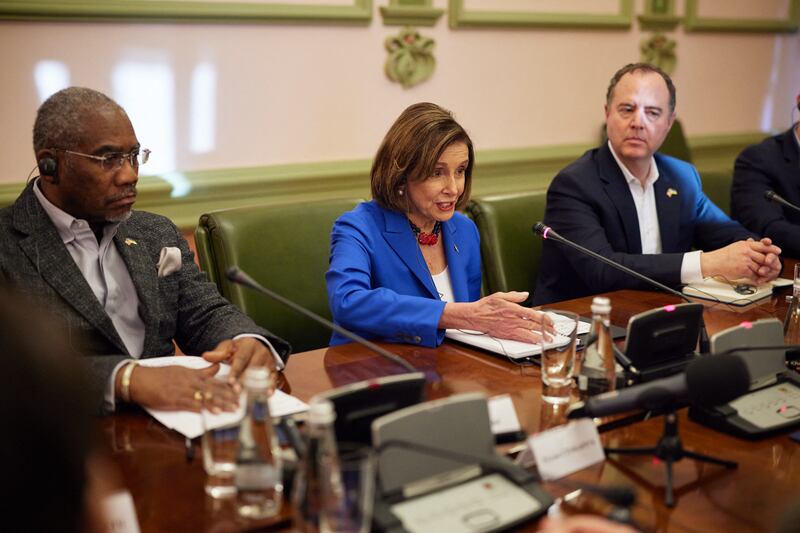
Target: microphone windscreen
[(769, 195), (717, 379), (539, 228)]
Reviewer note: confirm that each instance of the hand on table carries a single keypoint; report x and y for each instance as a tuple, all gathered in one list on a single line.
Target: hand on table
[(755, 261), (241, 353), (500, 315), (179, 388)]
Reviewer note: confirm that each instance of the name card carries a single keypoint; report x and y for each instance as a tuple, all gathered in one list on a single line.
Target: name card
[(566, 449), (120, 513)]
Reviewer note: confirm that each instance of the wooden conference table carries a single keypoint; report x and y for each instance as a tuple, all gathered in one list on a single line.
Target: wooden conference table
[(168, 490)]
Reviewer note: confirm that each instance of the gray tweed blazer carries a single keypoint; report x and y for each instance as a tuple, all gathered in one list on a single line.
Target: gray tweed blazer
[(182, 306)]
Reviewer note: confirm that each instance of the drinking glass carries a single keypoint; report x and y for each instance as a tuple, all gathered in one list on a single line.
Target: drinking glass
[(558, 357), (220, 444), (352, 510)]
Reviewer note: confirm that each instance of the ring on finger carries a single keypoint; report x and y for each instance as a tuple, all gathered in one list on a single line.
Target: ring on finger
[(198, 396), (208, 395)]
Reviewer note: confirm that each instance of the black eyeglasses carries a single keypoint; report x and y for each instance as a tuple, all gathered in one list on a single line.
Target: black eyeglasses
[(115, 160)]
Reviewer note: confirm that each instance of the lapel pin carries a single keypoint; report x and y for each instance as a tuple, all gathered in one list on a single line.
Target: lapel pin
[(131, 242), (671, 192)]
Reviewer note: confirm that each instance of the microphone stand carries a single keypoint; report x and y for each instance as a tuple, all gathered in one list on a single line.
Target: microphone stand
[(238, 276), (669, 449), (547, 233)]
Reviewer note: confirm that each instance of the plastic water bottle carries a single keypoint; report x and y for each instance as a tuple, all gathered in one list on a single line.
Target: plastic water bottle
[(598, 373), (317, 485), (259, 485)]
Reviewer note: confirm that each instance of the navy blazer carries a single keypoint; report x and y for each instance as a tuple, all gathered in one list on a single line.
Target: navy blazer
[(589, 202), (773, 165), (378, 283)]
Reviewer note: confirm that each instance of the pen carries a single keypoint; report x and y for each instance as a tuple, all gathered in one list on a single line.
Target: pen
[(189, 450)]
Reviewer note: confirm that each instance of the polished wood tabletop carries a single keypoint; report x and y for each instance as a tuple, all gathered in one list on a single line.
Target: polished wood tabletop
[(168, 489)]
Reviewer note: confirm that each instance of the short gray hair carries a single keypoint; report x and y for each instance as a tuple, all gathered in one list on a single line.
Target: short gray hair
[(59, 121)]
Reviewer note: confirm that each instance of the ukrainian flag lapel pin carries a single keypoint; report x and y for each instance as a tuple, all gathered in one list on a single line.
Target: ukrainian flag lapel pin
[(671, 192), (130, 242)]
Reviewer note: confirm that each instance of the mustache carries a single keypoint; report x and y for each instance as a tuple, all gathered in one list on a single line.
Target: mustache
[(125, 193)]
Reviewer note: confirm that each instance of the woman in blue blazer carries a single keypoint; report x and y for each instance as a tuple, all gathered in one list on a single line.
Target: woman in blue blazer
[(406, 266)]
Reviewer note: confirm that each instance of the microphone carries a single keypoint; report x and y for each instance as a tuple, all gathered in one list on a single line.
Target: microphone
[(546, 232), (238, 276), (708, 381), (775, 198)]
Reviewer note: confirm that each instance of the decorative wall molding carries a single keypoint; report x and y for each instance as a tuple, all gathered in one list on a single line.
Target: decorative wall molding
[(410, 13), (694, 22), (460, 16), (659, 50), (496, 171), (659, 15), (410, 60), (357, 11)]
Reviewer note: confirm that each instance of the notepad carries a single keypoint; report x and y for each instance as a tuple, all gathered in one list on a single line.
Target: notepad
[(720, 291), (516, 349)]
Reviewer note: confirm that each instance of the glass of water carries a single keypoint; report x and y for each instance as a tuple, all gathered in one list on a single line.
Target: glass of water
[(558, 357), (220, 444)]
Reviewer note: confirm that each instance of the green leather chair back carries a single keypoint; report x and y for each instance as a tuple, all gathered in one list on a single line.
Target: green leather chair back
[(283, 247), (509, 249), (717, 186)]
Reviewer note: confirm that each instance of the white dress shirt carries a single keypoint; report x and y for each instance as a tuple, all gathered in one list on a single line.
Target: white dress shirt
[(644, 198)]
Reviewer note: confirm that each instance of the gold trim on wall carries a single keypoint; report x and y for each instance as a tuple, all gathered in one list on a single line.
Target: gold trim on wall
[(694, 22), (460, 17), (357, 11)]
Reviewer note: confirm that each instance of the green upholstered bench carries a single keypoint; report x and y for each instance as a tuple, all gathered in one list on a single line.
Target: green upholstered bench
[(283, 247), (509, 249)]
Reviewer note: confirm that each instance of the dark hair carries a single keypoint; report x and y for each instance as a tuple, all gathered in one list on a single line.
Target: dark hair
[(410, 150), (46, 412), (59, 121), (642, 67)]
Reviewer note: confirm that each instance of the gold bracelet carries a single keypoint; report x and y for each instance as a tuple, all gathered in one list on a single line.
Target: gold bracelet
[(126, 381)]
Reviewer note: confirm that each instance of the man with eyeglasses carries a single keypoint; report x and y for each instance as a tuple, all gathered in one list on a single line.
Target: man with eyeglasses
[(124, 282)]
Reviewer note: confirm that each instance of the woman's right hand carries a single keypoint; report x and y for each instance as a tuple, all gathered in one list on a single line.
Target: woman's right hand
[(500, 315)]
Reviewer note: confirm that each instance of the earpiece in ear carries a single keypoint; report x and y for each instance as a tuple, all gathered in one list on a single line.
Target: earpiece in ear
[(48, 167)]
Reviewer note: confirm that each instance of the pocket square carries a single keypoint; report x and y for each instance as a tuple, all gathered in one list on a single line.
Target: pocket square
[(169, 261)]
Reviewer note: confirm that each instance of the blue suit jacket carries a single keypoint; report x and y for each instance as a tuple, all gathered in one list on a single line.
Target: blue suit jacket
[(589, 202), (771, 165), (378, 283)]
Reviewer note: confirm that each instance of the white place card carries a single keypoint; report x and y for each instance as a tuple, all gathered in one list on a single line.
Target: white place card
[(119, 513), (566, 449), (503, 415)]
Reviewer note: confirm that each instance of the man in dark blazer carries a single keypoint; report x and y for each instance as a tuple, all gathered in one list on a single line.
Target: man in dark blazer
[(773, 165), (639, 208), (124, 282)]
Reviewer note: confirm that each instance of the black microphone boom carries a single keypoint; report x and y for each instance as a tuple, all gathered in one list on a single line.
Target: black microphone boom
[(548, 233), (708, 381), (774, 197), (238, 276)]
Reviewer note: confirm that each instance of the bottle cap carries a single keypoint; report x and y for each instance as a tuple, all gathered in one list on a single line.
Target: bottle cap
[(321, 412), (601, 305), (256, 377)]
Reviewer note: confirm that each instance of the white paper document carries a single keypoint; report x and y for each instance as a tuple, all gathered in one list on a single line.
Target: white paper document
[(190, 424)]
